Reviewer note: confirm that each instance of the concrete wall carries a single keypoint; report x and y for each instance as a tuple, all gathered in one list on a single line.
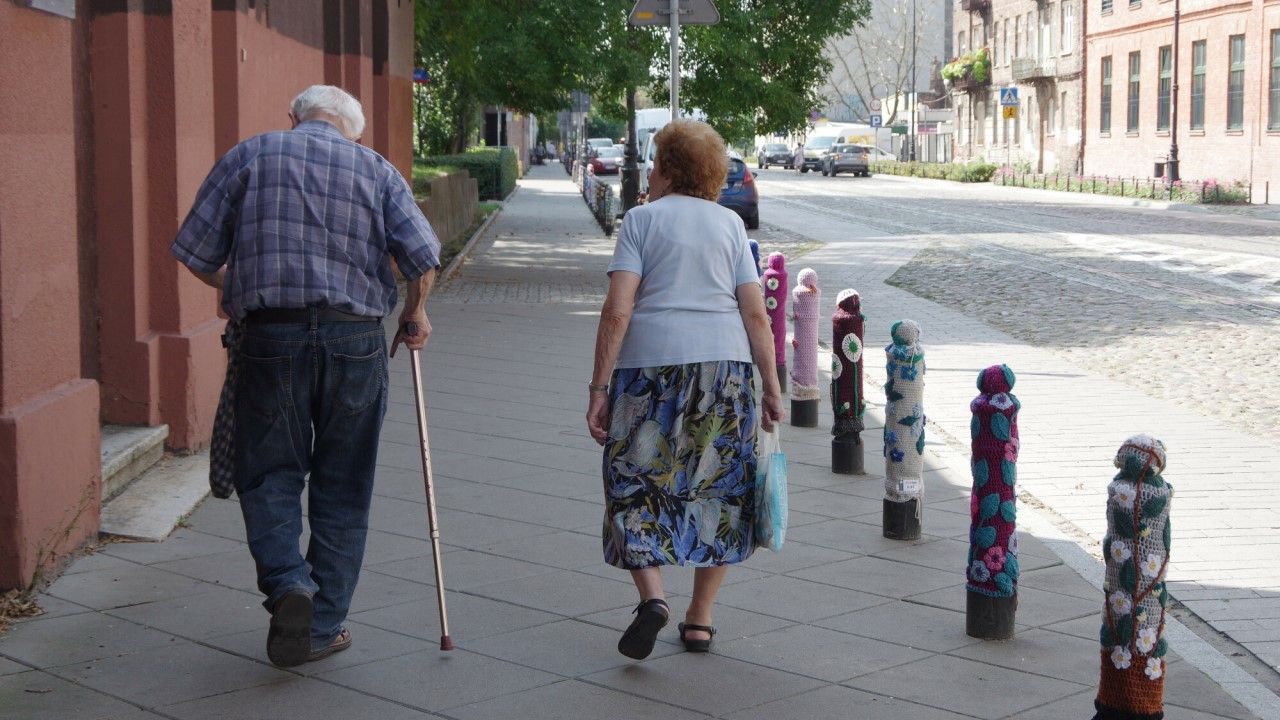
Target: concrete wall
[(109, 122), (1251, 153), (451, 207)]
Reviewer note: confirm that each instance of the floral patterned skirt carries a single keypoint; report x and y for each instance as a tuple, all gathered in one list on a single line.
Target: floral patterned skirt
[(680, 465)]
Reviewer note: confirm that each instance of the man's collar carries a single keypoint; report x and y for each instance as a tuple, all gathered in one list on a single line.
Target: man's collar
[(323, 126)]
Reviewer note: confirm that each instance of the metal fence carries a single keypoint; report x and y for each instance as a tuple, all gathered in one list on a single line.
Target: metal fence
[(600, 196), (1186, 191)]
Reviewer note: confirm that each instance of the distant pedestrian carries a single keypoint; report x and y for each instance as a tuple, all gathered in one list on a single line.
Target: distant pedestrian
[(797, 160), (671, 397), (298, 230)]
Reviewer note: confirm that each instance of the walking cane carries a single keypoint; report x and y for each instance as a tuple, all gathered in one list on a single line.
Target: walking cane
[(446, 642)]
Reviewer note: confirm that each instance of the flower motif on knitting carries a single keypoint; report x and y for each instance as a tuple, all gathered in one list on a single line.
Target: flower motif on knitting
[(1151, 566), (1120, 602), (890, 409), (915, 420), (890, 437), (994, 558), (771, 303), (1155, 668), (1120, 551), (851, 346), (1011, 450), (1146, 640), (896, 455), (837, 369), (908, 372), (1124, 493), (1120, 657), (978, 572), (772, 284), (1002, 401)]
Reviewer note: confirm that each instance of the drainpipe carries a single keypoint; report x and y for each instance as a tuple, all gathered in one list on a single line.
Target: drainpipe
[(1172, 170), (1084, 83)]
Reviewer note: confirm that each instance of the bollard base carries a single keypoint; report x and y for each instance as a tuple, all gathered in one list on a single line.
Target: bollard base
[(846, 454), (901, 520), (782, 377), (990, 618), (804, 413)]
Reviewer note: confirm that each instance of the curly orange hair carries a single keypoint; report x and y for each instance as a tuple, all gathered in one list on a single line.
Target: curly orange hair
[(693, 158)]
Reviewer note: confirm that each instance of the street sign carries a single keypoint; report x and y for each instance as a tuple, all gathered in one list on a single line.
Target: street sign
[(875, 105), (1011, 112), (877, 120), (927, 128), (648, 13), (1009, 96), (899, 129), (420, 76)]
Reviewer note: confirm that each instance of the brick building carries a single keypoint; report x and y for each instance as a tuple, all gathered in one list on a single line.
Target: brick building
[(1034, 46), (1228, 72), (111, 114)]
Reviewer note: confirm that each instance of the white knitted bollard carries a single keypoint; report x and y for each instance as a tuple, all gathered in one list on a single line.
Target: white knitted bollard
[(904, 433)]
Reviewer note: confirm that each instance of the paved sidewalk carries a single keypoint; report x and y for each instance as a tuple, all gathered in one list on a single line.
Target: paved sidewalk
[(842, 623)]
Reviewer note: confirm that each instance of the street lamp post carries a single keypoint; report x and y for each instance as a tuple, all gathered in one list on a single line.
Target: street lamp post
[(913, 105), (675, 59), (630, 171), (1172, 172)]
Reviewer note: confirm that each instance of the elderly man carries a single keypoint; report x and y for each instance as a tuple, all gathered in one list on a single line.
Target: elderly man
[(298, 230)]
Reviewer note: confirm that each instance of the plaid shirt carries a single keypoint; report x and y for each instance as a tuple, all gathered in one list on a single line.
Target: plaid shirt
[(306, 219)]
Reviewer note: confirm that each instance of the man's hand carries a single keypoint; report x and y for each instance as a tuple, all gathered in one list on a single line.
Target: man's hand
[(771, 412), (598, 417), (421, 326)]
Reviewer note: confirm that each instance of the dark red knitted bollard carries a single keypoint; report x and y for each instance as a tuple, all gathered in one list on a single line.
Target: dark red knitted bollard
[(847, 401)]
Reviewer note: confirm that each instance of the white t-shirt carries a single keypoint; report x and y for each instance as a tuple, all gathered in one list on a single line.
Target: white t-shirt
[(691, 256)]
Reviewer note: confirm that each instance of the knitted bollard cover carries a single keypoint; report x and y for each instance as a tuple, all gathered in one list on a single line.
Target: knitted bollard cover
[(1136, 551), (993, 538), (904, 413), (775, 303), (846, 364), (755, 255), (806, 300)]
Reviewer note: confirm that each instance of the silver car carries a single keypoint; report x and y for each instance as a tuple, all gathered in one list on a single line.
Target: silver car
[(847, 158)]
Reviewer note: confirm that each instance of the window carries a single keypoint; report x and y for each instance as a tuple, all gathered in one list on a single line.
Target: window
[(960, 43), (1046, 37), (1030, 46), (1104, 122), (1051, 122), (1135, 82), (1062, 111), (979, 122), (1004, 42), (1068, 27), (1106, 6), (1164, 90), (1197, 84), (1235, 85), (1017, 36), (1273, 110)]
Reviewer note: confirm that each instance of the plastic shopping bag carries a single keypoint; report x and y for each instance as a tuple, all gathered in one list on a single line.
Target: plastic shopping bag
[(771, 492)]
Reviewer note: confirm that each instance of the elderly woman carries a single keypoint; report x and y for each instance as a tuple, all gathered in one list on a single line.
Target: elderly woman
[(671, 398)]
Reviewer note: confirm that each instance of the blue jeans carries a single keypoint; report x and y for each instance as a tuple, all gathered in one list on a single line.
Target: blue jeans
[(310, 401)]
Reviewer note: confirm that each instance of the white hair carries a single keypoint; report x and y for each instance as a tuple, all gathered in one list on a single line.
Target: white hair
[(334, 101)]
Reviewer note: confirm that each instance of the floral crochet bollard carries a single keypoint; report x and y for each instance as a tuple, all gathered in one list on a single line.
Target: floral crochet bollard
[(847, 400), (1136, 551), (755, 255), (992, 570), (806, 299), (904, 432), (775, 303)]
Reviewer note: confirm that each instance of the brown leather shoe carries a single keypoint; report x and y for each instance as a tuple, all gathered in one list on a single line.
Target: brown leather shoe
[(340, 642)]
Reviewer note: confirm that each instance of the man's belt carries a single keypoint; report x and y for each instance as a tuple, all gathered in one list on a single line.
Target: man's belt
[(280, 316)]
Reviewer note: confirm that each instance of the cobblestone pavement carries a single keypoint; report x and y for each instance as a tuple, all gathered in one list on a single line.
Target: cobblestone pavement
[(1119, 319)]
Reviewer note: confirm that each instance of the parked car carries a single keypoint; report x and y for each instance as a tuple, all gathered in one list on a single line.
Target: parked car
[(739, 193), (774, 154), (882, 155), (815, 151), (606, 161), (847, 158), (596, 143)]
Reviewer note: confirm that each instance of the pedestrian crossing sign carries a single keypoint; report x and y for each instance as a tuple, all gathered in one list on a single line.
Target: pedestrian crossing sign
[(1009, 97), (1010, 112)]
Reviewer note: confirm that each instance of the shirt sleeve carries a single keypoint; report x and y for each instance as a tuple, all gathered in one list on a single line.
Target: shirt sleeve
[(410, 239), (747, 271), (204, 240), (626, 251)]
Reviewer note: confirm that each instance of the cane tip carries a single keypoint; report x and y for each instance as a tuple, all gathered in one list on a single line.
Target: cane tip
[(446, 643)]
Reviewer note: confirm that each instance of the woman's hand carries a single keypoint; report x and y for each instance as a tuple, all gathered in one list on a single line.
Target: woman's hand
[(771, 411), (598, 416)]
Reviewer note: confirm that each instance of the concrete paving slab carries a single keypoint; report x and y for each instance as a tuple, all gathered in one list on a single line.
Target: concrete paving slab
[(562, 549), (38, 695), (543, 647), (730, 622), (1035, 607), (470, 617), (1039, 652), (570, 699), (49, 642), (819, 653), (795, 599), (966, 687), (219, 517), (905, 623), (879, 577), (433, 680), (296, 698), (564, 592), (233, 569), (12, 667), (833, 701), (368, 644), (463, 569), (795, 555), (215, 611), (847, 536)]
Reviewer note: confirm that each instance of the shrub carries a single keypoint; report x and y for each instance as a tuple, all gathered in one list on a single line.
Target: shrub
[(494, 169), (424, 174), (974, 171)]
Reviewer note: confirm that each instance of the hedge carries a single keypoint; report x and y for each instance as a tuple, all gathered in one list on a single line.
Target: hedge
[(974, 171), (494, 169)]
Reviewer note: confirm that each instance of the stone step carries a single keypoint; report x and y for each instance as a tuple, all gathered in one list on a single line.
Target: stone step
[(127, 452), (157, 501)]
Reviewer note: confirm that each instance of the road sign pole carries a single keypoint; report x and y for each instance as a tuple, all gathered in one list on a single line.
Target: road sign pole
[(675, 59)]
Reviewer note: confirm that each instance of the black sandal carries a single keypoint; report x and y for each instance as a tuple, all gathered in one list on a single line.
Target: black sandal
[(698, 646), (638, 639)]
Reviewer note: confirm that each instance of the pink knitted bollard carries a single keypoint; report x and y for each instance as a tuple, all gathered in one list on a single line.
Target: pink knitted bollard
[(806, 300), (775, 303)]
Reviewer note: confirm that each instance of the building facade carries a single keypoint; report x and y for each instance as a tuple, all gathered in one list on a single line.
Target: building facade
[(1227, 60), (111, 114), (1035, 47)]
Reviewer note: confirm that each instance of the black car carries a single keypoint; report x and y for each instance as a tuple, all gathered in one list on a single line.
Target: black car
[(774, 154)]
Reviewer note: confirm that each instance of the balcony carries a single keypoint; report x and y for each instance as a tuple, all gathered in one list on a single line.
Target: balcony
[(1033, 69), (975, 5), (969, 84)]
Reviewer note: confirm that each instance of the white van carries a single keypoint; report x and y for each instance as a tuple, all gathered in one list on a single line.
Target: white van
[(822, 139)]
